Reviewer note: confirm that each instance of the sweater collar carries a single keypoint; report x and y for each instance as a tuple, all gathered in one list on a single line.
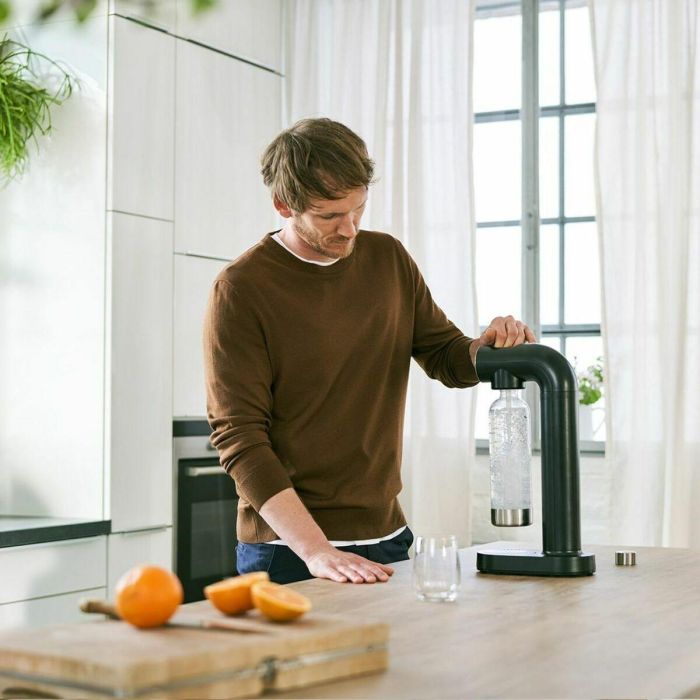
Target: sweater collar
[(290, 260)]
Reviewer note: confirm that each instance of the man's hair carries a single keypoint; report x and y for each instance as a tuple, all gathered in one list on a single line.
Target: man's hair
[(315, 159)]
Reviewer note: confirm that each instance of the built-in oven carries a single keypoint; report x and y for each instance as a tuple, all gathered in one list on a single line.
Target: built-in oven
[(204, 510)]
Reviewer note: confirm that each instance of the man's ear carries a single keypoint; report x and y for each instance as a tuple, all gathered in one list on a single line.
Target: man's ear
[(282, 208)]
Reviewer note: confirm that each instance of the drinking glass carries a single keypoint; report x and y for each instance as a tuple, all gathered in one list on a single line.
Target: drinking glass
[(436, 574)]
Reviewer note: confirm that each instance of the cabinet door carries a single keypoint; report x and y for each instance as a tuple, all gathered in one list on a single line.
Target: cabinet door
[(227, 113), (142, 120), (141, 376), (128, 549), (39, 570), (54, 610), (251, 29), (193, 281)]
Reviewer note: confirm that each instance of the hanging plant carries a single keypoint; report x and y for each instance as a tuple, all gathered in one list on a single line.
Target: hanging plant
[(31, 84), (83, 9)]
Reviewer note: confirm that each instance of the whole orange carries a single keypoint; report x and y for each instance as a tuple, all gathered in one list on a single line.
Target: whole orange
[(147, 596)]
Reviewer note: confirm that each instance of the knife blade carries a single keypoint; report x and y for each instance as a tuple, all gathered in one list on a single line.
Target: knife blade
[(104, 607)]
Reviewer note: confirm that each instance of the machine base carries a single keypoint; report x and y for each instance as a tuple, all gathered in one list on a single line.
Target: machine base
[(523, 562)]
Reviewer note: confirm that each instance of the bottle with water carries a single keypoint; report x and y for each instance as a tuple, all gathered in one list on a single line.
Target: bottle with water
[(509, 448)]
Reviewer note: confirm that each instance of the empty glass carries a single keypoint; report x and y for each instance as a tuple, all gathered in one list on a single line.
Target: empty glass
[(436, 574)]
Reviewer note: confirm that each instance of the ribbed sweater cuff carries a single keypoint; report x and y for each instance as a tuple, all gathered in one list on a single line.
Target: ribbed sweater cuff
[(260, 475), (464, 372)]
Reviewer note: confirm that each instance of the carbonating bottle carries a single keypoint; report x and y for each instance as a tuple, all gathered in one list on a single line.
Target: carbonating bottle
[(509, 449)]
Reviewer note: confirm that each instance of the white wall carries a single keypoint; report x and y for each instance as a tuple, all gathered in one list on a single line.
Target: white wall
[(52, 295), (162, 141), (147, 186)]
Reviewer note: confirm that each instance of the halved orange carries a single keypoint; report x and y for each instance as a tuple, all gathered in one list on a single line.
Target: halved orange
[(277, 602), (232, 595)]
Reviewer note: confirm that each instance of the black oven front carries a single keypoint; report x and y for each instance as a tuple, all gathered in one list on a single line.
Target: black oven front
[(206, 505)]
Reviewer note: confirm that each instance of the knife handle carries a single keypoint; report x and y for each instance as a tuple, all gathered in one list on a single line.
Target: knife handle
[(99, 606)]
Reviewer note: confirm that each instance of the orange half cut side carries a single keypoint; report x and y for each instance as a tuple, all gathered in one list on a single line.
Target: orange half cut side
[(232, 595), (279, 603)]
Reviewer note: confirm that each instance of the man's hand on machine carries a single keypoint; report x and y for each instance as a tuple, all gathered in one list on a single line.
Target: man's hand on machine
[(502, 332)]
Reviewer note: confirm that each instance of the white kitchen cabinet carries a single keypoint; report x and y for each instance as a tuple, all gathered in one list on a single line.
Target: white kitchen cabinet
[(251, 29), (128, 549), (140, 460), (161, 14), (227, 113), (53, 568), (142, 119), (53, 610), (193, 281)]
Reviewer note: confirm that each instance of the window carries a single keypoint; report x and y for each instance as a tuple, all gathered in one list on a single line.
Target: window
[(569, 270)]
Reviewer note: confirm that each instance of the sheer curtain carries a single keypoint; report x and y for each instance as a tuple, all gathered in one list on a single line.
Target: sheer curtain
[(398, 72), (648, 170)]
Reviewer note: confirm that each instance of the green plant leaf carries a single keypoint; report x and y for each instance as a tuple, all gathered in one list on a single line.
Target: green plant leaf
[(5, 10), (48, 9), (25, 103), (199, 6), (84, 9)]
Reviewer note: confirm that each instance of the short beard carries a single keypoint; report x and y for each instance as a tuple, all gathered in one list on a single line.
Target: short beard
[(301, 231)]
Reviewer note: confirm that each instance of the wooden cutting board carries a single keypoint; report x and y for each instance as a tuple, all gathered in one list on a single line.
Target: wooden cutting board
[(110, 658)]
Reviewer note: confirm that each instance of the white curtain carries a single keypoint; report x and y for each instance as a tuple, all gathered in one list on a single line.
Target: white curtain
[(648, 172), (398, 72)]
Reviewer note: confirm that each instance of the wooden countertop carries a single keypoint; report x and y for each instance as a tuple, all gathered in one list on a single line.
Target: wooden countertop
[(626, 632)]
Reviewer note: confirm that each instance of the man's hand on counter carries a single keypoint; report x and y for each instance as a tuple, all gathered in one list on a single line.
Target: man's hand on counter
[(287, 516), (336, 565)]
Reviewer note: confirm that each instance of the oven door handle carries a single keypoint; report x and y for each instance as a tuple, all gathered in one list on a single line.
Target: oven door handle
[(204, 471)]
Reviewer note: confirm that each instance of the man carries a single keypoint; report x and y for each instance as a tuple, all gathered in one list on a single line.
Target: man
[(308, 341)]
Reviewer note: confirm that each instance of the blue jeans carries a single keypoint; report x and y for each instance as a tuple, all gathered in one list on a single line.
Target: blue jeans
[(286, 567)]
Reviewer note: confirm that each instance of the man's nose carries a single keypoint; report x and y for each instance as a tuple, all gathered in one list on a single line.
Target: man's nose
[(347, 227)]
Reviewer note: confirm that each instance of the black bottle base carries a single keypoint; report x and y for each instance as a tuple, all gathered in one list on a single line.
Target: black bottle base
[(523, 562)]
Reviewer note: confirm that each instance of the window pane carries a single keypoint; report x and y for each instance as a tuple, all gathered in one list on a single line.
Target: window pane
[(549, 275), (549, 167), (553, 341), (498, 272), (497, 183), (581, 353), (549, 58), (497, 57), (578, 165), (581, 274), (580, 80)]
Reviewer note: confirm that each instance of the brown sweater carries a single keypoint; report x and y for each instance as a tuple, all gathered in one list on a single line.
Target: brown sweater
[(306, 371)]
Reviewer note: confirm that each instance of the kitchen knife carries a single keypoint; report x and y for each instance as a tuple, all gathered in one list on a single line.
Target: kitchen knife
[(179, 620)]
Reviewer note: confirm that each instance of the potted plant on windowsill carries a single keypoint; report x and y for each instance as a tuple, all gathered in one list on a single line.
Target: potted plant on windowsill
[(590, 390)]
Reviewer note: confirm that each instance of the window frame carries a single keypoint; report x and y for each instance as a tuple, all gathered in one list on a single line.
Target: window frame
[(530, 114)]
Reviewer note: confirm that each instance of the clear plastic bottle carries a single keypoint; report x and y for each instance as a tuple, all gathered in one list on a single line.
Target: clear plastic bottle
[(509, 448)]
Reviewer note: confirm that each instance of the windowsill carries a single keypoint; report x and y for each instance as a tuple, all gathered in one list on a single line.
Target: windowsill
[(589, 448)]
